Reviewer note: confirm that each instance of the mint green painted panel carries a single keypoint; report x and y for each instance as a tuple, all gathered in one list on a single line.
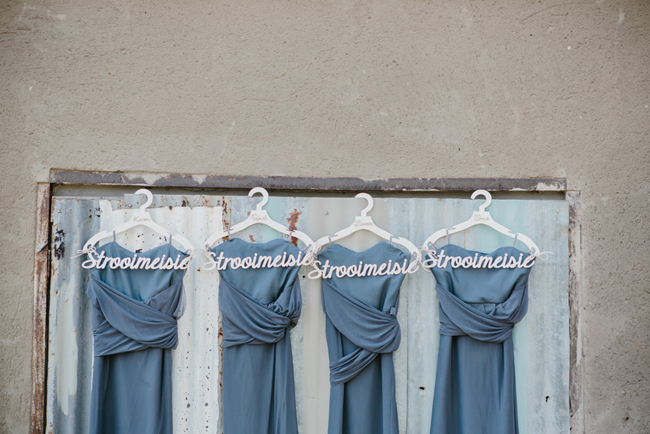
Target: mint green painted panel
[(196, 361)]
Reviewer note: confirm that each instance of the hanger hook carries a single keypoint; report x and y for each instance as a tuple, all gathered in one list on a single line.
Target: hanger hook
[(265, 197), (488, 199), (371, 202), (149, 196)]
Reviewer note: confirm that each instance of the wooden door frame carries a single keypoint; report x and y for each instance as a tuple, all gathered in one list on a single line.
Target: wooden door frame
[(293, 184)]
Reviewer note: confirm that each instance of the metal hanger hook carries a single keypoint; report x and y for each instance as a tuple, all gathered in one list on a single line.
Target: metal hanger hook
[(149, 196), (488, 199), (371, 202), (265, 197)]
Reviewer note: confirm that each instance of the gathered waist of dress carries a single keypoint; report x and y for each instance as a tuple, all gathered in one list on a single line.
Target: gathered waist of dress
[(122, 324), (247, 321)]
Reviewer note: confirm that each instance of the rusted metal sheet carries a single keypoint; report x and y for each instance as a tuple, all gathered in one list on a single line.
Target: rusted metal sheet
[(41, 284), (70, 335), (306, 183), (541, 340), (196, 362)]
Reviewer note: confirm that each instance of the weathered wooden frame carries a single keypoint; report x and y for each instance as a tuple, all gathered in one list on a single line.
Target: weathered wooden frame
[(293, 184), (41, 287)]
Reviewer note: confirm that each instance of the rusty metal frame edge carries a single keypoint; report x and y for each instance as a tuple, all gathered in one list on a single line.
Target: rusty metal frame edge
[(41, 289), (305, 183), (576, 371)]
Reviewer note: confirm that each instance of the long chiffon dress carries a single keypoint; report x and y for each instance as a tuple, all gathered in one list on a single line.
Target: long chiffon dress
[(259, 306), (362, 333), (134, 315), (475, 380)]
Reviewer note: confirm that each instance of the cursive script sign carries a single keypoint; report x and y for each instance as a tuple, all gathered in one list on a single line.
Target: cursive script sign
[(101, 261), (389, 268), (441, 260), (256, 261)]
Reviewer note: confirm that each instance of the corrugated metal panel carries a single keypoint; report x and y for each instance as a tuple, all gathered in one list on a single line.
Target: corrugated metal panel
[(195, 362), (541, 340), (70, 339)]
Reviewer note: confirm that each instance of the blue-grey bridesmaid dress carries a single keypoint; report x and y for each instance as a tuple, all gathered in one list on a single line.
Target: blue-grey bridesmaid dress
[(475, 380), (258, 307), (362, 333), (134, 315)]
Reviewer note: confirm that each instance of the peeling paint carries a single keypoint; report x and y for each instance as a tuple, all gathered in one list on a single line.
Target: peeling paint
[(546, 187), (308, 184), (59, 243)]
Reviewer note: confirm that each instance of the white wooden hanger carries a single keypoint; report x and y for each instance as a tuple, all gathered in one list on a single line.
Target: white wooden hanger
[(482, 217), (364, 222), (141, 218), (258, 216)]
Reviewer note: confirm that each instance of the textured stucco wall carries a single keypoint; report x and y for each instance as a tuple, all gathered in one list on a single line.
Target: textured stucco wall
[(375, 89)]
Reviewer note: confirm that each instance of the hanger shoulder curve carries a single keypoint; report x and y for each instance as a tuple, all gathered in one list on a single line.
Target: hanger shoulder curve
[(258, 217), (481, 217), (150, 224), (488, 222), (368, 225), (141, 218), (409, 246)]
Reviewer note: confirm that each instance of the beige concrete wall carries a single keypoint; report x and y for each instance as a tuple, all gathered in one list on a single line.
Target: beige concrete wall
[(375, 89)]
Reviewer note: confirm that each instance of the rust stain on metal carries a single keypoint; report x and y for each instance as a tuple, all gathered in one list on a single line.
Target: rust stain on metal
[(225, 205), (39, 336), (293, 224), (225, 216), (220, 340), (251, 237)]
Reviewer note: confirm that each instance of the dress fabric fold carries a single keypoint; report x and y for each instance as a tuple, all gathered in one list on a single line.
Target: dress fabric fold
[(134, 316), (373, 331), (362, 332), (259, 307), (475, 379)]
